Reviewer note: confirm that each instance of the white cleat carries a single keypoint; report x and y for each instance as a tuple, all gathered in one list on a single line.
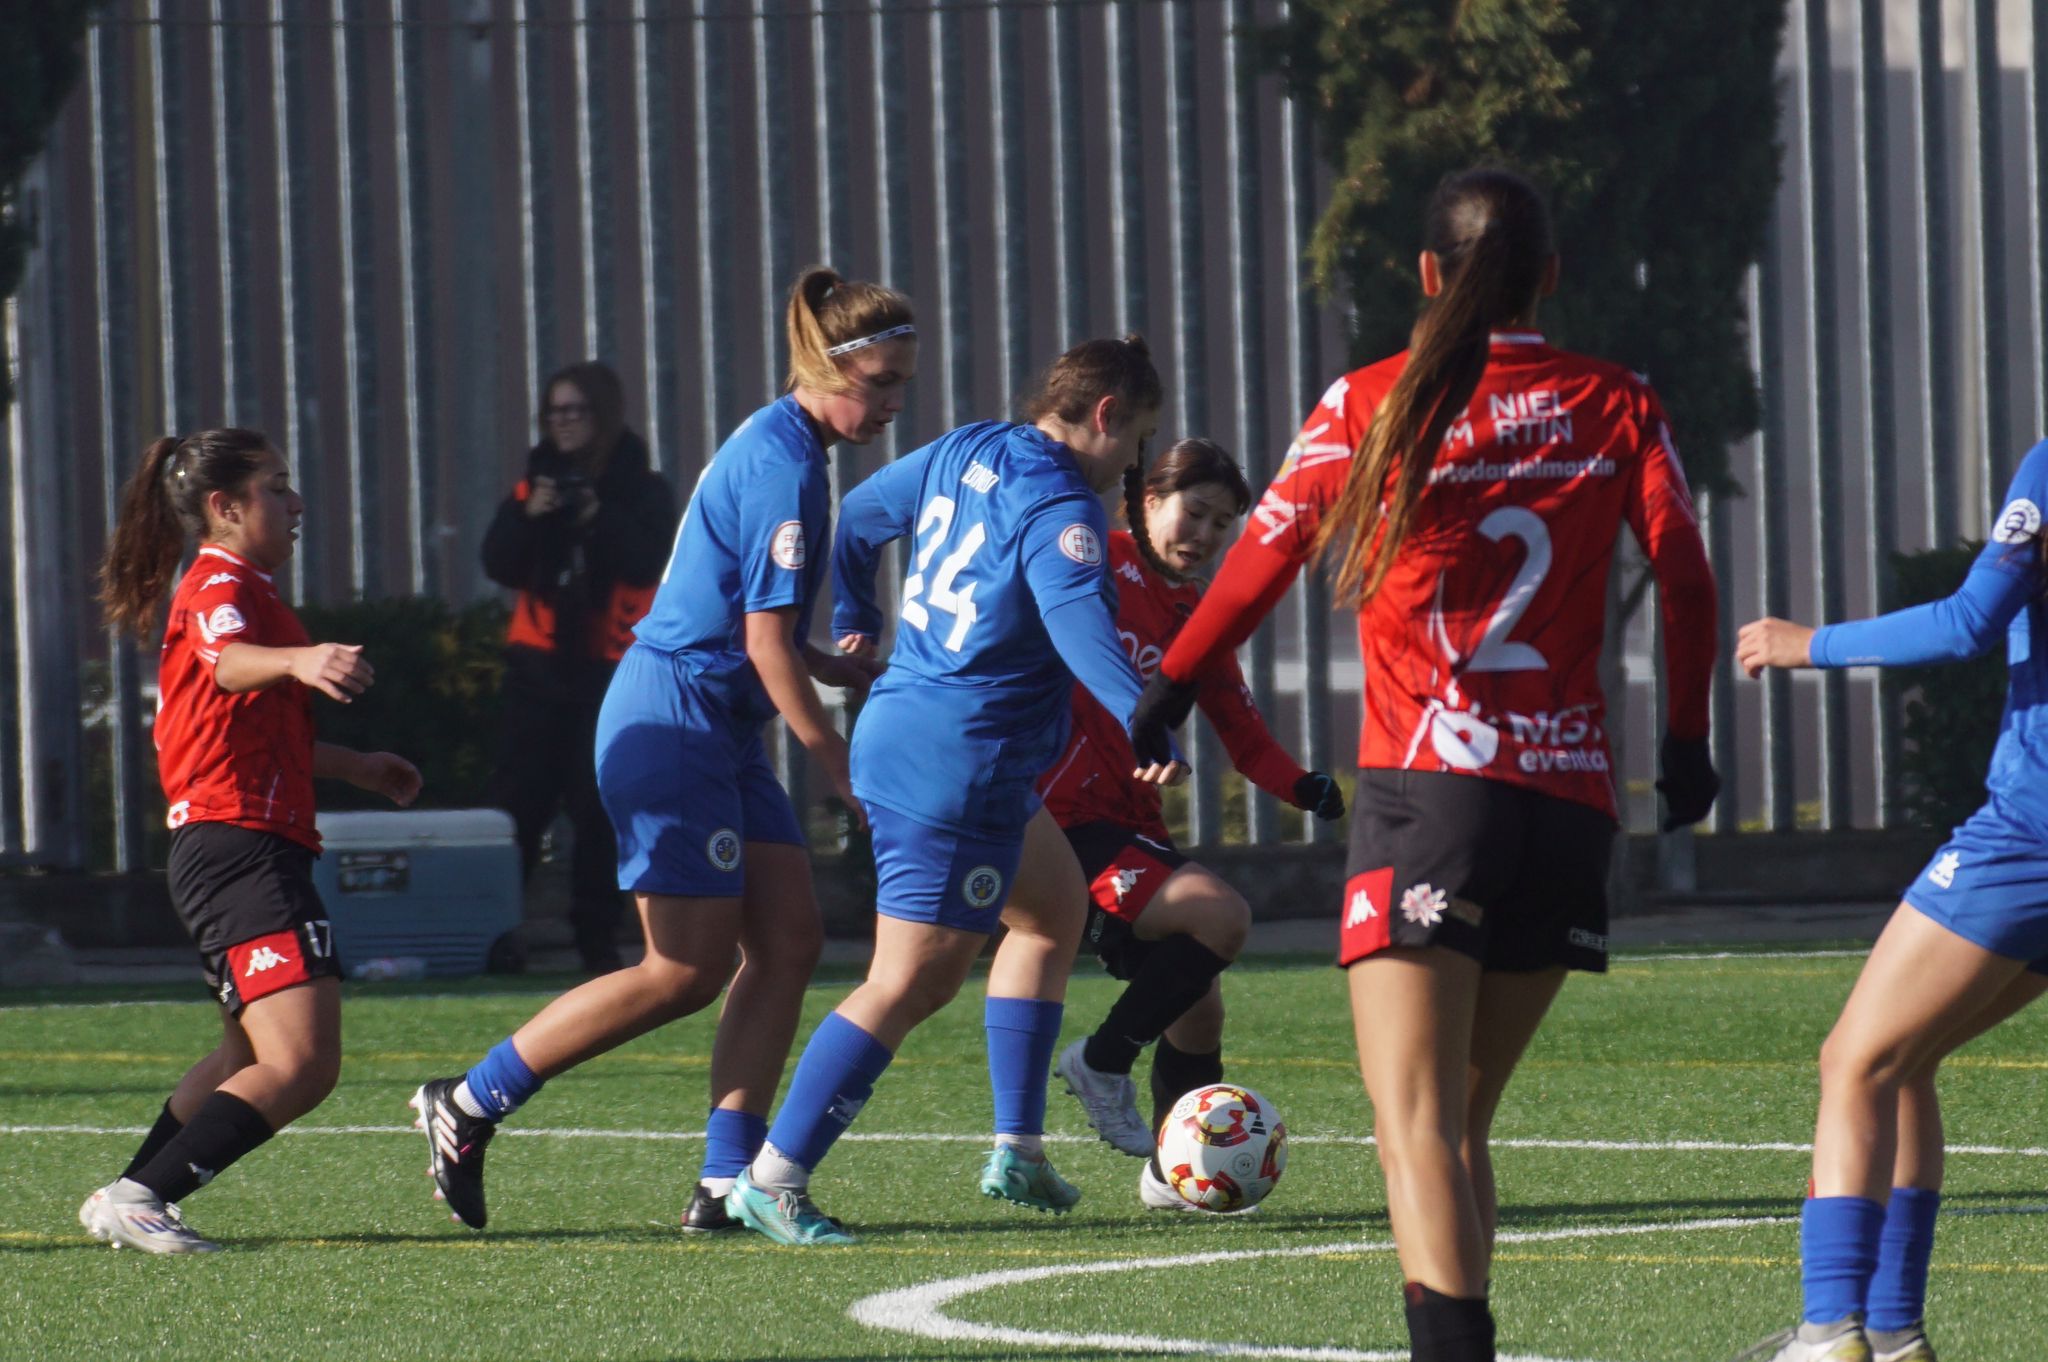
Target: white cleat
[(1909, 1345), (1110, 1102), (126, 1212), (1842, 1341)]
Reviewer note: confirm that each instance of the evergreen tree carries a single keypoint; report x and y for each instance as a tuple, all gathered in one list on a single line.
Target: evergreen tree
[(1651, 124)]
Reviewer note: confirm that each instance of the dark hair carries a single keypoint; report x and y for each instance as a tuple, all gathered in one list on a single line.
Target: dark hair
[(600, 386), (164, 502), (826, 310), (1091, 371), (1186, 463), (1491, 233)]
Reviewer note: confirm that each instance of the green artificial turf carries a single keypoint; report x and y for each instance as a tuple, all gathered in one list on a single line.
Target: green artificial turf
[(336, 1249)]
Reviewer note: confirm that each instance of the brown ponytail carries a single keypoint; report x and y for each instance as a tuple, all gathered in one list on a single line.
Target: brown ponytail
[(1186, 463), (1091, 371), (825, 310), (1490, 232), (164, 501)]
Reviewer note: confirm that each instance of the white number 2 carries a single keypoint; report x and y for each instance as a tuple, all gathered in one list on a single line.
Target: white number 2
[(1495, 652), (937, 517)]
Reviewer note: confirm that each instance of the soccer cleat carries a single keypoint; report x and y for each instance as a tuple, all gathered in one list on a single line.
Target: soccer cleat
[(126, 1212), (1909, 1345), (706, 1213), (1109, 1100), (455, 1149), (786, 1217), (1841, 1341), (1009, 1176)]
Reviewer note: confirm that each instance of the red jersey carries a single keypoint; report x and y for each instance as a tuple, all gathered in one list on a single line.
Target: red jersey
[(1091, 782), (243, 759), (1481, 647)]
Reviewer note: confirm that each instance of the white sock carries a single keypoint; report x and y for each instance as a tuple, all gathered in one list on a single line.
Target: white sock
[(777, 1172), (716, 1186), (1031, 1147), (466, 1100)]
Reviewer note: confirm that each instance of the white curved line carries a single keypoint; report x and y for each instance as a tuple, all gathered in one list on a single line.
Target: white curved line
[(920, 1310)]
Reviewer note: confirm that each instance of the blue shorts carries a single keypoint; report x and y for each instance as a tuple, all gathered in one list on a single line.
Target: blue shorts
[(926, 874), (686, 784), (1989, 885)]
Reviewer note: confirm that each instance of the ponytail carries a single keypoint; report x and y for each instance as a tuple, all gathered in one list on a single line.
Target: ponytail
[(826, 312), (1091, 371), (1491, 234), (164, 501), (1134, 513)]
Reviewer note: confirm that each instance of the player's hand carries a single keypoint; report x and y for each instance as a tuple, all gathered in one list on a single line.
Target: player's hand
[(848, 672), (857, 645), (1773, 643), (1320, 795), (1162, 706), (1688, 781), (336, 670), (387, 774), (543, 497), (832, 755), (1162, 773)]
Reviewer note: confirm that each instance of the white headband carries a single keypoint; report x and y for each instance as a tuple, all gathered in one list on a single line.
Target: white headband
[(864, 342)]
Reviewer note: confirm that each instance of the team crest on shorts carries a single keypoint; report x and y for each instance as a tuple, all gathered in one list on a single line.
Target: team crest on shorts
[(983, 886), (724, 849), (787, 547), (1081, 544)]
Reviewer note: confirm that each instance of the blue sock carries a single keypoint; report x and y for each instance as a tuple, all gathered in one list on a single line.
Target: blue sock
[(832, 1083), (1022, 1034), (731, 1139), (501, 1082), (1898, 1291), (1837, 1253)]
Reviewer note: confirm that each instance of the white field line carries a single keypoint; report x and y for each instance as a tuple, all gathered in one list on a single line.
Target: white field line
[(942, 1137), (1617, 958), (920, 1310)]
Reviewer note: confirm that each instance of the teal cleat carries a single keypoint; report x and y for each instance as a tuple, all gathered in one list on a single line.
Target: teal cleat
[(1009, 1176), (785, 1217)]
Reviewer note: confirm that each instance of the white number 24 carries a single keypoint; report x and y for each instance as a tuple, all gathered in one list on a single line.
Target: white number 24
[(937, 518)]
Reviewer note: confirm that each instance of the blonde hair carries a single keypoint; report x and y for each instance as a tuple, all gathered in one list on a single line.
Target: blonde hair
[(826, 310)]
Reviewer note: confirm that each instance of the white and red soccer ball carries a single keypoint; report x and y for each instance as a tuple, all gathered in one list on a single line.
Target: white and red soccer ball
[(1222, 1148)]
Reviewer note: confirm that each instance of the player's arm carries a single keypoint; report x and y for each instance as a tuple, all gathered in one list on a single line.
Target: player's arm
[(384, 773), (336, 670), (785, 675), (1660, 513), (1227, 701), (872, 515)]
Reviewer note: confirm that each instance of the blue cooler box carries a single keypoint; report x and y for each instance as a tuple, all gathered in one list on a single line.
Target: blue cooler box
[(441, 885)]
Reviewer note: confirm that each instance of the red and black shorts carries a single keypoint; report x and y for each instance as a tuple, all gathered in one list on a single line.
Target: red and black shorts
[(1124, 869), (247, 898), (1513, 878)]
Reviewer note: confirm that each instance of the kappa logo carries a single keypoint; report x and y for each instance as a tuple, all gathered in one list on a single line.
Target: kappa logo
[(1126, 881), (2017, 523), (1082, 544), (224, 619), (1945, 866), (1361, 910), (1130, 570), (1423, 904), (982, 886), (178, 814), (217, 578), (787, 547), (723, 849), (263, 958)]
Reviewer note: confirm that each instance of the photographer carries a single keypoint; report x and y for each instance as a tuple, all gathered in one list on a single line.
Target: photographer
[(582, 540)]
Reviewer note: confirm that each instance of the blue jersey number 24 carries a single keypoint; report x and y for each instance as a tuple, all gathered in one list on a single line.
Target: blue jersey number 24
[(934, 524)]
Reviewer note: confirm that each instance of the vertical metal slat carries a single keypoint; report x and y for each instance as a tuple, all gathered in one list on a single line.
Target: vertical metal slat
[(358, 284), (653, 146), (1874, 394), (415, 298)]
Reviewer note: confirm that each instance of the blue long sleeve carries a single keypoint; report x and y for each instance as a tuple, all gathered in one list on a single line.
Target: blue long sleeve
[(1084, 632), (1948, 630), (870, 516)]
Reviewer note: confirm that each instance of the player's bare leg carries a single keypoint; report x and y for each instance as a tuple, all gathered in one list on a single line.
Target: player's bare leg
[(780, 940), (1511, 1007)]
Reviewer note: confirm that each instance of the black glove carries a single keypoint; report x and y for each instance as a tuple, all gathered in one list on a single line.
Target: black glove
[(1318, 794), (1163, 705), (1688, 781)]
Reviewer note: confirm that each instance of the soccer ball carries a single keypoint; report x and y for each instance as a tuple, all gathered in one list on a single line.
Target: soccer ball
[(1222, 1148)]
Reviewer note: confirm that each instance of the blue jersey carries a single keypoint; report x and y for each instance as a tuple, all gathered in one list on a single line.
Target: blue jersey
[(1007, 601), (752, 538), (2001, 598)]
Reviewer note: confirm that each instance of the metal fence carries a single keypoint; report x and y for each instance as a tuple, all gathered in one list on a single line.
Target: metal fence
[(369, 226)]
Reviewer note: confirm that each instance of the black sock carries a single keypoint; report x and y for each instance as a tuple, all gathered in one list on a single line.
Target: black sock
[(1448, 1328), (159, 1135), (1176, 1071), (220, 1132), (1175, 975)]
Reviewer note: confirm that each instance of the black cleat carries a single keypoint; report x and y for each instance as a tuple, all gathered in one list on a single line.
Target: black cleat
[(707, 1214), (455, 1144)]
